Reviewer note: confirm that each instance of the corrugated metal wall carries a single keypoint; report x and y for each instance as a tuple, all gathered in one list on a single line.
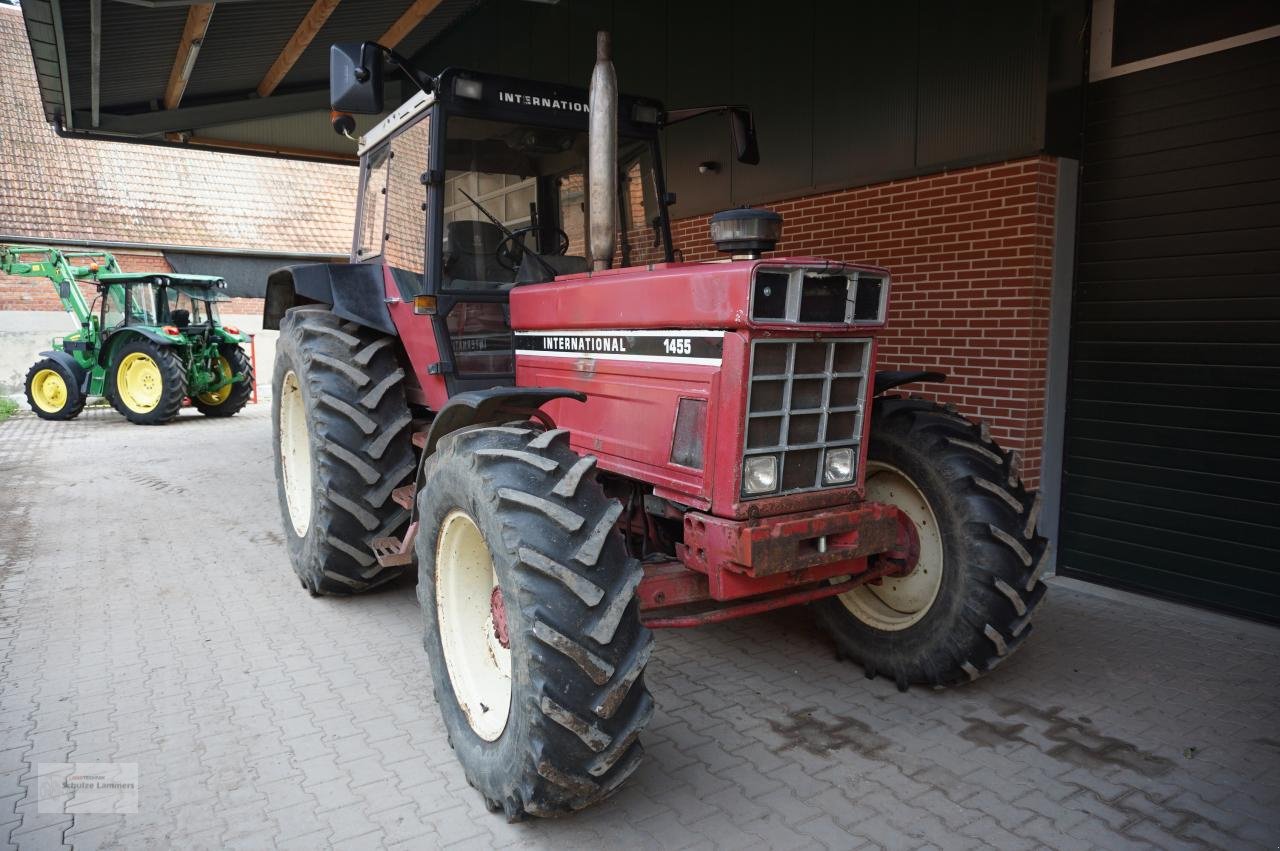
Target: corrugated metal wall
[(844, 93)]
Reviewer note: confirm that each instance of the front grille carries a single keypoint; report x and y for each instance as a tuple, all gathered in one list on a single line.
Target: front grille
[(805, 397)]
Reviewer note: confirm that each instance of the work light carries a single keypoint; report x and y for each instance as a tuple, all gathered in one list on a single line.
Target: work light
[(839, 466), (760, 474)]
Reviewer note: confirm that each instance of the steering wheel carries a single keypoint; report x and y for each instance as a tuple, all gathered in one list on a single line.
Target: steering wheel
[(511, 250)]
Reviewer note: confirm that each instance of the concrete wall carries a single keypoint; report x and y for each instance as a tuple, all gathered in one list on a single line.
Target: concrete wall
[(25, 333)]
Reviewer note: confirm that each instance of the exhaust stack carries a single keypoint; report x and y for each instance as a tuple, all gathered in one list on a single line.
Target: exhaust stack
[(602, 157)]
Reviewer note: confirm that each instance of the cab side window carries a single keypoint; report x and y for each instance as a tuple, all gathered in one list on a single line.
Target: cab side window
[(373, 203), (405, 237)]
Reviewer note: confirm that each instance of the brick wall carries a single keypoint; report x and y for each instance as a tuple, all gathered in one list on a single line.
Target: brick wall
[(970, 252), (38, 293)]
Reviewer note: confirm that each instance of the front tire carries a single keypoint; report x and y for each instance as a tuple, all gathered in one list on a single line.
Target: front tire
[(53, 391), (229, 400), (342, 444), (968, 602), (148, 382), (516, 540)]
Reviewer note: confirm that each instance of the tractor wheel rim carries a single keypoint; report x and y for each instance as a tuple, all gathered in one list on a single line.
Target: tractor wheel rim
[(898, 602), (217, 397), (479, 665), (139, 382), (49, 391), (295, 454)]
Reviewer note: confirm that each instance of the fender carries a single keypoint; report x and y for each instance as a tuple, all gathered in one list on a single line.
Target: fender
[(355, 291), (481, 406), (484, 406), (108, 350), (66, 360), (889, 379)]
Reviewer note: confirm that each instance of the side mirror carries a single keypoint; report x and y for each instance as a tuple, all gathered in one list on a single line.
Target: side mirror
[(743, 127), (355, 77)]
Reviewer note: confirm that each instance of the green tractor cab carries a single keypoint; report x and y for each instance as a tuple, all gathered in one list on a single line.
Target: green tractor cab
[(147, 342)]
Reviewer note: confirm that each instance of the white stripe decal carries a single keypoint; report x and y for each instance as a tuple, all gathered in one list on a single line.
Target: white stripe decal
[(625, 332), (701, 346), (633, 358)]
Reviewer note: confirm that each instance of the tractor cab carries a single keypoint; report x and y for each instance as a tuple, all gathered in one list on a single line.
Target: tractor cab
[(480, 184), (188, 303)]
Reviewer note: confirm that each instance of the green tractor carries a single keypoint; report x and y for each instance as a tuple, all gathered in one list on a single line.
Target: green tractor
[(149, 341)]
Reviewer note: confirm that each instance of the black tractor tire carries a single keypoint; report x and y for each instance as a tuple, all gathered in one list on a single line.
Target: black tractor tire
[(173, 382), (992, 557), (578, 649), (73, 400), (358, 447), (240, 364)]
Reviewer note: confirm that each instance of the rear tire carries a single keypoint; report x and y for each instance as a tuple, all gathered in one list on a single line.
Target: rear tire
[(576, 648), (231, 399), (342, 444), (53, 391), (960, 622), (148, 382)]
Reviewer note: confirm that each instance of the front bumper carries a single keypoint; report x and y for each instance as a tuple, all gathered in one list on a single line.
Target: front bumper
[(746, 557)]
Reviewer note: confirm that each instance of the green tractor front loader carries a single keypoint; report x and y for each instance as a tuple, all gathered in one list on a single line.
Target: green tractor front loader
[(148, 341)]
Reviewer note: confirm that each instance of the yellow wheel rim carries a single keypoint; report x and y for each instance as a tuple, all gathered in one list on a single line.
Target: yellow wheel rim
[(217, 397), (139, 382), (49, 391)]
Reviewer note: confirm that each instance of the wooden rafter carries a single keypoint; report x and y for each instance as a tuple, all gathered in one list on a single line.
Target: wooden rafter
[(405, 24), (308, 29), (198, 15)]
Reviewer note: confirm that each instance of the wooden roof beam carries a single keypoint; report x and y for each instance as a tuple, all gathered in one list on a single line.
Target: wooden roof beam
[(198, 15), (308, 29), (406, 23)]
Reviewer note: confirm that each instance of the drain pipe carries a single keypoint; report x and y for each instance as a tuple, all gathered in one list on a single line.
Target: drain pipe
[(602, 157)]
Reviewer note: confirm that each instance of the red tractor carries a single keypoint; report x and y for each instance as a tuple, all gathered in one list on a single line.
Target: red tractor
[(569, 455)]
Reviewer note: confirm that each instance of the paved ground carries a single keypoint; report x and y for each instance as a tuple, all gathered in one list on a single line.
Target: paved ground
[(148, 615)]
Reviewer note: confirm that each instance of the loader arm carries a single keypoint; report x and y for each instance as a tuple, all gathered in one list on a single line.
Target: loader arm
[(26, 261)]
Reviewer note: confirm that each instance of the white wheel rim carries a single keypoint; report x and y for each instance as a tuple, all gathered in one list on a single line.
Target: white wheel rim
[(295, 454), (479, 666), (898, 602)]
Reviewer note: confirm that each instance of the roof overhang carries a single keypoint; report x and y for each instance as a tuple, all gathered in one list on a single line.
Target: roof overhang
[(239, 75)]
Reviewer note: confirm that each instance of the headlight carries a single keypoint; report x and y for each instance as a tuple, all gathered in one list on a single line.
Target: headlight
[(760, 474), (839, 466)]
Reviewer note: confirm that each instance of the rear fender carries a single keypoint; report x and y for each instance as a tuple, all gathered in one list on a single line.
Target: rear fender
[(355, 292), (107, 353)]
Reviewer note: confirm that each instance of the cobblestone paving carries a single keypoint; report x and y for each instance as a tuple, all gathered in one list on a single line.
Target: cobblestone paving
[(148, 615)]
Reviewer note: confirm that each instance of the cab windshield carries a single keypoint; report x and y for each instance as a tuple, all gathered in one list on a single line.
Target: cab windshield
[(515, 204)]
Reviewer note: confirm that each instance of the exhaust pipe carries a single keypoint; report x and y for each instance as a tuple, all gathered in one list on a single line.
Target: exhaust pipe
[(602, 157)]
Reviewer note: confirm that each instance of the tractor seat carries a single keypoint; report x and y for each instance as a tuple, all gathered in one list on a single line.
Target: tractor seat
[(471, 252), (181, 318)]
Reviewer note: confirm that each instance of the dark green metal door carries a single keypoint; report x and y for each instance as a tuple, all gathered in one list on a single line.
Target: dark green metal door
[(1172, 461)]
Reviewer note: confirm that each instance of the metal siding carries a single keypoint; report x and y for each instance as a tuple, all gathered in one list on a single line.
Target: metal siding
[(982, 80), (836, 88), (782, 98), (1172, 459), (864, 92), (699, 73)]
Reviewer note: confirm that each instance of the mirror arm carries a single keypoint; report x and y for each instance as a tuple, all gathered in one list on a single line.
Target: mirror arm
[(675, 116), (420, 78)]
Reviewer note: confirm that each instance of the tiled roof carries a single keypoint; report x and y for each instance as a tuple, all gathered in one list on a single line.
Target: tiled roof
[(71, 189)]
